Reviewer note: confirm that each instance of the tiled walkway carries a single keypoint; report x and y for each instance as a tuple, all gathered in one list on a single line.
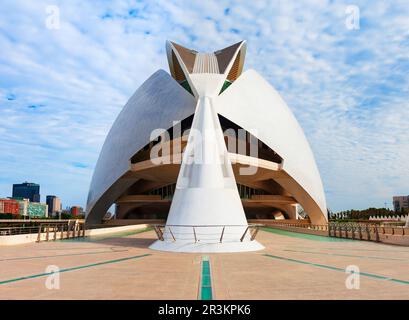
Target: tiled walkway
[(121, 266)]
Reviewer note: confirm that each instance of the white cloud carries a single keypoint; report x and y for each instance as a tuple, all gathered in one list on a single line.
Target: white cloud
[(348, 88)]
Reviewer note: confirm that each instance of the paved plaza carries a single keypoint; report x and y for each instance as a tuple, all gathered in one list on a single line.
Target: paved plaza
[(120, 266)]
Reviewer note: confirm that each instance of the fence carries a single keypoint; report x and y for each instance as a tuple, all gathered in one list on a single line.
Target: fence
[(364, 231), (350, 230), (309, 226), (47, 230), (206, 233), (72, 229)]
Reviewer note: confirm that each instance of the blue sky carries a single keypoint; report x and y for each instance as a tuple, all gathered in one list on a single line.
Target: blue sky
[(60, 90)]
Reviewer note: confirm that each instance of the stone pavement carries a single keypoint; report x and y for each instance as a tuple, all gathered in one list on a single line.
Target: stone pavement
[(120, 266)]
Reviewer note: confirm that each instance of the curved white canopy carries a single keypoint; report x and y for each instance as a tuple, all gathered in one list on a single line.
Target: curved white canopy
[(158, 102), (252, 103)]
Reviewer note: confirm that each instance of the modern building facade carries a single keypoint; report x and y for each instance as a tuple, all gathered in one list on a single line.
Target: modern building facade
[(400, 202), (27, 190), (37, 210), (54, 205), (9, 206), (23, 206), (207, 145)]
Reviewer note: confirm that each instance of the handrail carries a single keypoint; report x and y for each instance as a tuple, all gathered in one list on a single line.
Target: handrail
[(253, 236), (352, 230), (242, 237), (24, 229), (194, 232), (160, 229), (366, 231), (170, 230), (48, 232), (208, 225), (221, 237)]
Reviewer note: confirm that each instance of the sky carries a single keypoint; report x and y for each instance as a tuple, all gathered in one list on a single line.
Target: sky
[(63, 82)]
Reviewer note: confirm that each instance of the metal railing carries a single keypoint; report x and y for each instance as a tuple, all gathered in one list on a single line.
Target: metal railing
[(72, 229), (350, 230), (52, 230), (317, 227), (10, 231), (204, 233), (364, 231)]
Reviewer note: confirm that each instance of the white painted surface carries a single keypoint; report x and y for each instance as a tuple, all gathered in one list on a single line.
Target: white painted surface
[(188, 246), (20, 239), (102, 231), (206, 196), (155, 105), (252, 103)]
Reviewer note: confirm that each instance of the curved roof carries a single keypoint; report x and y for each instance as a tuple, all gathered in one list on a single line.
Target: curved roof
[(158, 102), (252, 103)]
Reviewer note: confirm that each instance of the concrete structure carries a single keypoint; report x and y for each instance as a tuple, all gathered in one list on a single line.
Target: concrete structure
[(54, 205), (249, 138), (400, 202), (27, 190), (393, 218), (12, 240)]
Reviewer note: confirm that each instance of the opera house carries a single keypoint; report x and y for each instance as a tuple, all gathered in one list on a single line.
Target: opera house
[(205, 148)]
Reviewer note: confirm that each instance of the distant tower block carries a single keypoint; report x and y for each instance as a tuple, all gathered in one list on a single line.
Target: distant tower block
[(207, 197)]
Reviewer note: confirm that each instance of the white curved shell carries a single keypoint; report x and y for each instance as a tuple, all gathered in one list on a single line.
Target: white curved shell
[(252, 103), (158, 102)]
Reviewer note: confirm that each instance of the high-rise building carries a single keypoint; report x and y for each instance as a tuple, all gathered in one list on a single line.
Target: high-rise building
[(27, 190), (76, 211), (54, 205), (400, 202)]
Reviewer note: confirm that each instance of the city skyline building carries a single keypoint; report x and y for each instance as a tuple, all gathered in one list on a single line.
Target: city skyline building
[(9, 206), (27, 190), (76, 211), (54, 205), (400, 202)]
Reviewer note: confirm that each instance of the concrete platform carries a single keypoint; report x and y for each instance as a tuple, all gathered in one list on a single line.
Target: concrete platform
[(121, 266), (216, 247)]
